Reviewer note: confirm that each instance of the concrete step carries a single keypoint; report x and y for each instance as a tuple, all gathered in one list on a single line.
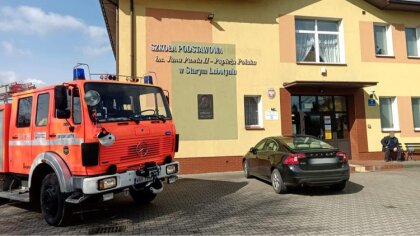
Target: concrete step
[(368, 166)]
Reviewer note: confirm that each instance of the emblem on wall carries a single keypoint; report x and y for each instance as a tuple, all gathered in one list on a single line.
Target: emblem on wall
[(271, 93)]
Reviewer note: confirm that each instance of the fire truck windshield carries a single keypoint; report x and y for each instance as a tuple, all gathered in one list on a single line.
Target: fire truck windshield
[(122, 102)]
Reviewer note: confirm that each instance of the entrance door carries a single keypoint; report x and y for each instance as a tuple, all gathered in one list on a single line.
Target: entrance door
[(324, 117)]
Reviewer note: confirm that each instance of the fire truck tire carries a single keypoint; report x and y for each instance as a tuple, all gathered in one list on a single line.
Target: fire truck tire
[(142, 197), (53, 205)]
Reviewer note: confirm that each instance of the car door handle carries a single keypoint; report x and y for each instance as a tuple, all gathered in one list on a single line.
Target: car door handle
[(53, 135), (14, 137)]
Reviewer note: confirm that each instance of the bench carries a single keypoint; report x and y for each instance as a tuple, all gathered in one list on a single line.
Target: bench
[(412, 148)]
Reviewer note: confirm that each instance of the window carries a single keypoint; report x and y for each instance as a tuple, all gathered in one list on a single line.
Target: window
[(319, 41), (42, 108), (413, 43), (415, 103), (389, 113), (271, 146), (253, 111), (77, 110), (260, 145), (24, 112), (383, 40)]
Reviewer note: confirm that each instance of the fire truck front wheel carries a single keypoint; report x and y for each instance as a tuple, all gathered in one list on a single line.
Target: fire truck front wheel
[(142, 197), (53, 204)]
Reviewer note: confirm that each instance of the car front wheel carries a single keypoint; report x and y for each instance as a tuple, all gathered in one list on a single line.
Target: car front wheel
[(277, 182), (53, 203)]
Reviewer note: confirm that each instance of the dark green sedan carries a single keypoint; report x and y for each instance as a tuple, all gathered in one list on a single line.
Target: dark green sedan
[(297, 161)]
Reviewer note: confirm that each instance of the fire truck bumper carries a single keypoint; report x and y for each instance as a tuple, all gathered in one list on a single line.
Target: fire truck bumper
[(119, 181)]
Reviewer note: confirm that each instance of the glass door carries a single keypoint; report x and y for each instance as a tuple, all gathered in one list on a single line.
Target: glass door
[(324, 117)]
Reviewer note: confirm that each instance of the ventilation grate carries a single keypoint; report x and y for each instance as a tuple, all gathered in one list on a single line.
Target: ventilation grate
[(107, 230)]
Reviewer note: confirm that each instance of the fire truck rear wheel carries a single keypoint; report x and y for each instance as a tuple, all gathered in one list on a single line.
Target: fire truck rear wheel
[(53, 205), (142, 197)]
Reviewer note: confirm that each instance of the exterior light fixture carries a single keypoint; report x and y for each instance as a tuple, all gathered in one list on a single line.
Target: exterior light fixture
[(210, 17)]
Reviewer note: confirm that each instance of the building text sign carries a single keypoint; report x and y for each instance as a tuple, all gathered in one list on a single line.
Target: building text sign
[(200, 59)]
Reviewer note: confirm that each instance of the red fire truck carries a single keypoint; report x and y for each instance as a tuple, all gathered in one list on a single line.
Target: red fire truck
[(63, 144)]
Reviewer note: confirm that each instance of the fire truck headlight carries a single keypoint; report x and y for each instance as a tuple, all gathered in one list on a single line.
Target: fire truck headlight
[(171, 169), (107, 183)]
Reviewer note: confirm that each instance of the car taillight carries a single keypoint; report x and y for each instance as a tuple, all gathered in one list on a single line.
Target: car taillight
[(293, 159), (343, 156)]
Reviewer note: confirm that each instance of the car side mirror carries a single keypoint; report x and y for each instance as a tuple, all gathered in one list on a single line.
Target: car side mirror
[(253, 150), (60, 102)]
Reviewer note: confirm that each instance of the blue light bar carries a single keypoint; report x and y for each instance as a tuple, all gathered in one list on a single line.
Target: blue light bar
[(148, 79), (78, 74)]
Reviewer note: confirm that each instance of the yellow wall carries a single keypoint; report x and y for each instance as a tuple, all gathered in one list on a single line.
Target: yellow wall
[(253, 27)]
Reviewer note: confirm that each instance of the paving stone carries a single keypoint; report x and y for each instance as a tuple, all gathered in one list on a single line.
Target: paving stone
[(375, 203)]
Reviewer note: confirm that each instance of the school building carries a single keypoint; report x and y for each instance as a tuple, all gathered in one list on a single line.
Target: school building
[(346, 71)]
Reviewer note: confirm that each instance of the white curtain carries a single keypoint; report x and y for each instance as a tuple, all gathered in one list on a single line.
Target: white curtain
[(304, 44), (380, 40), (328, 48)]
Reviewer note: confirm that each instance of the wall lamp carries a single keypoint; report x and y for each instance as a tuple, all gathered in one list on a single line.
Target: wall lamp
[(210, 16)]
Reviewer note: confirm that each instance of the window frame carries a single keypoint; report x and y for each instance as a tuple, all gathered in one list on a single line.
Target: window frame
[(412, 109), (395, 116), (260, 111), (389, 40), (417, 29), (48, 109), (316, 32)]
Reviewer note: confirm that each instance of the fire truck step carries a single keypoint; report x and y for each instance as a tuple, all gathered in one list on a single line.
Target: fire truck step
[(16, 195)]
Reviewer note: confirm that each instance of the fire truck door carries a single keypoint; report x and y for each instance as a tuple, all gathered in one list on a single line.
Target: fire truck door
[(20, 141), (40, 131)]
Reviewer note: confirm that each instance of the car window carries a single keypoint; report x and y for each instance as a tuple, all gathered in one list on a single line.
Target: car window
[(306, 142), (260, 145), (271, 146)]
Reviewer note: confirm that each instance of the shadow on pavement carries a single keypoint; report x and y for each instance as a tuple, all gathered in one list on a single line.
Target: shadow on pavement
[(351, 188), (185, 195)]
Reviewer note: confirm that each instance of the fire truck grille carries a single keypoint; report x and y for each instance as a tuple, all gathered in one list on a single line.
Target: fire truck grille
[(135, 149)]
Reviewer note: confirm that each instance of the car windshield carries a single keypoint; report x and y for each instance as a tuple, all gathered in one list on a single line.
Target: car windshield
[(122, 102), (306, 142)]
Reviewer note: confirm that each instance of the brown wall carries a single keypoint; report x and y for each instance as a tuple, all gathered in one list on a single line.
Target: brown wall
[(287, 38), (210, 164), (367, 45), (405, 111)]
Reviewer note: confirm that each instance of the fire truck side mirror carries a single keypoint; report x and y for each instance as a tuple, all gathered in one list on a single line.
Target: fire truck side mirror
[(60, 95)]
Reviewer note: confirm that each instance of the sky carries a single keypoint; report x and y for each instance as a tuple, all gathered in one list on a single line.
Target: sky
[(42, 40)]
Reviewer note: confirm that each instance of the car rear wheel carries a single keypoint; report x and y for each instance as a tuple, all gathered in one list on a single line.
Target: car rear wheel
[(246, 169), (277, 182), (338, 187)]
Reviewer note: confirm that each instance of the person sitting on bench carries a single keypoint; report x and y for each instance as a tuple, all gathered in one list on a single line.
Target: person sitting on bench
[(390, 144)]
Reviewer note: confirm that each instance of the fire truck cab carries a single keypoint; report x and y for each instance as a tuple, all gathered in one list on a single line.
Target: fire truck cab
[(60, 145)]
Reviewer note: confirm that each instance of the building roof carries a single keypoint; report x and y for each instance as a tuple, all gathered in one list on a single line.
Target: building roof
[(402, 5), (109, 11)]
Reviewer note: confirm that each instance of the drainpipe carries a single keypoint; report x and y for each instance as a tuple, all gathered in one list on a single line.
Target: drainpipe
[(133, 38)]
